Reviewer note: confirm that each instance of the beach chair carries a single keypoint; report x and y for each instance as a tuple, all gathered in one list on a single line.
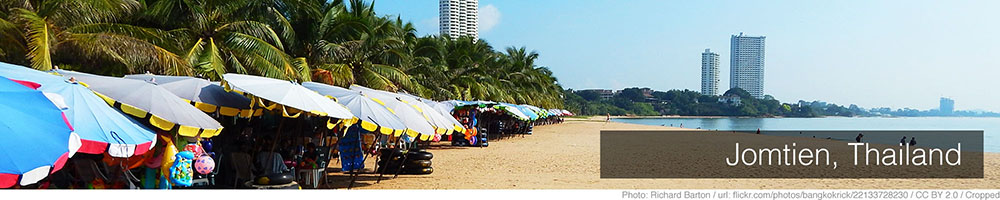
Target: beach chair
[(324, 154)]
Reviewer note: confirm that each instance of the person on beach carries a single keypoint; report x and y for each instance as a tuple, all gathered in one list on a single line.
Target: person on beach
[(858, 139), (913, 141), (902, 141), (609, 118)]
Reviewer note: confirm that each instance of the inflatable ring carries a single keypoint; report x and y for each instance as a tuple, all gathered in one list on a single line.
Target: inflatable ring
[(419, 156)]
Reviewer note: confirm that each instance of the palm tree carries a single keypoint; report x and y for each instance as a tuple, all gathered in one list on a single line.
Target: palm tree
[(75, 34), (217, 37), (352, 45)]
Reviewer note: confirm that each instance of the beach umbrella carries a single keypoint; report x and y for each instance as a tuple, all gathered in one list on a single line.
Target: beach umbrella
[(101, 128), (146, 101), (201, 93), (513, 111), (440, 121), (567, 113), (37, 138), (372, 113), (527, 112), (416, 122), (286, 96), (445, 111)]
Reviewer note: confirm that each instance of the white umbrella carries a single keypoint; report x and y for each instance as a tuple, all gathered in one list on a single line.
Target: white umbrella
[(143, 100), (416, 122), (440, 121), (285, 95), (445, 110), (371, 111), (204, 95)]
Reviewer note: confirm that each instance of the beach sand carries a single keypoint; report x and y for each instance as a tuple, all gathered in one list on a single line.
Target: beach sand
[(567, 156)]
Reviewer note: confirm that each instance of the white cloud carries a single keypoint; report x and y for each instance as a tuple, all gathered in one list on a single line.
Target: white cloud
[(489, 16)]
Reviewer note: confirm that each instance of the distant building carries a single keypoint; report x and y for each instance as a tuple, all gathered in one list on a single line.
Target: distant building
[(603, 93), (747, 64), (733, 100), (709, 73), (947, 106), (459, 18), (646, 92)]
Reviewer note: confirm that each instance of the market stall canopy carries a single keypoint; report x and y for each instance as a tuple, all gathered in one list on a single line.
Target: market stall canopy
[(291, 98), (101, 128), (37, 138), (445, 111), (204, 95), (514, 110), (415, 121), (162, 108), (440, 122), (372, 112)]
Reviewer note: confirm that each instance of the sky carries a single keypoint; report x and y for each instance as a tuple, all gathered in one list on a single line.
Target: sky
[(870, 53)]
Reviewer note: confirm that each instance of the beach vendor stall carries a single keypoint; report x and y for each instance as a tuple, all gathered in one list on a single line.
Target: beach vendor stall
[(177, 123), (213, 99), (290, 100), (374, 117)]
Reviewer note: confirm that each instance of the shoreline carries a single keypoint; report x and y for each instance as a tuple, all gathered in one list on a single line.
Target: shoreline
[(567, 156)]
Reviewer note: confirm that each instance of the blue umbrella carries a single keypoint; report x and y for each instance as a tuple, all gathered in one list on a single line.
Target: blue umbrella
[(101, 127), (36, 138), (146, 101)]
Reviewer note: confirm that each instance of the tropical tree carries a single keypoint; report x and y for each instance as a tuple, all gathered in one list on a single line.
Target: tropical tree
[(218, 37), (88, 35), (335, 42), (352, 45)]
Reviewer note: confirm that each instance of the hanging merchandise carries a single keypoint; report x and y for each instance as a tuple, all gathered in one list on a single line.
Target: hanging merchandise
[(204, 164), (351, 155), (194, 149), (180, 172)]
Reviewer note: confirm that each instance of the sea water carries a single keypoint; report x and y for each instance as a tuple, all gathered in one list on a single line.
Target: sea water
[(989, 125)]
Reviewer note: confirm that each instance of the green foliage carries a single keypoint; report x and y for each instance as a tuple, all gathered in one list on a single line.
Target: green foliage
[(632, 101), (334, 42)]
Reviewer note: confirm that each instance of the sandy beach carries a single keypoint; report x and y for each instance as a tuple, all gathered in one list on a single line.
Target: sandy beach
[(567, 156)]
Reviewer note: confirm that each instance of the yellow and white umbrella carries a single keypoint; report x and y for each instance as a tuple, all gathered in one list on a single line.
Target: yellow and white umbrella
[(416, 122), (289, 98), (372, 112), (146, 101)]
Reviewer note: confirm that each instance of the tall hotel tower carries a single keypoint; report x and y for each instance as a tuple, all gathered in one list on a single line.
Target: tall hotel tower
[(747, 64), (459, 18), (709, 73)]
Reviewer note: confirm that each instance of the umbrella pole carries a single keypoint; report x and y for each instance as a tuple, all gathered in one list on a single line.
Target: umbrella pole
[(403, 161)]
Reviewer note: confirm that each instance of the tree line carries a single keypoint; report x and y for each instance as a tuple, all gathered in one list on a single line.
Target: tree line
[(645, 102), (334, 42)]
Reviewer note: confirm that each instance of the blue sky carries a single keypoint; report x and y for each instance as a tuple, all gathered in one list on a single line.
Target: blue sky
[(870, 53)]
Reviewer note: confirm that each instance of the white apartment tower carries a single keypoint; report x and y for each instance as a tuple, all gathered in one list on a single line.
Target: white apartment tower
[(709, 73), (459, 18), (746, 64)]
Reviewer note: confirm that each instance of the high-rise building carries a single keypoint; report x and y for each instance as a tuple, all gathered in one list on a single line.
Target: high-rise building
[(746, 64), (459, 18), (709, 73), (947, 106)]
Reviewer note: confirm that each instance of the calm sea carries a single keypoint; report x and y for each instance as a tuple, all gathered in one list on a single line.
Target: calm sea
[(989, 126)]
